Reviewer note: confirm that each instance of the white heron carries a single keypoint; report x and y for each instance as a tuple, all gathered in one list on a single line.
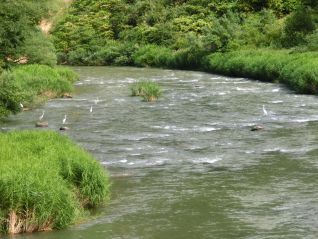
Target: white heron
[(21, 105), (264, 111), (41, 117), (96, 101), (64, 120), (91, 109)]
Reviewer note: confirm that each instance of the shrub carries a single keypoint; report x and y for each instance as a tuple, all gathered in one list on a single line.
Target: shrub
[(39, 50), (11, 95), (46, 181), (152, 55)]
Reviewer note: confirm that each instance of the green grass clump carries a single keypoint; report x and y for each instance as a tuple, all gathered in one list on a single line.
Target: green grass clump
[(31, 84), (299, 71), (149, 91), (40, 79), (46, 182)]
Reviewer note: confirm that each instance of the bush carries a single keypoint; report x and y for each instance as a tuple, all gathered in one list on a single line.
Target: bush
[(39, 50), (46, 181), (11, 95), (152, 55)]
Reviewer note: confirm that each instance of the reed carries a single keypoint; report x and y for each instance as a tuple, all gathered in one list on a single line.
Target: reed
[(149, 91), (46, 182)]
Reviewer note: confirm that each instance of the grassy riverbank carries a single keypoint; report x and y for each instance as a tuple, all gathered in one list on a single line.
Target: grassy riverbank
[(299, 71), (30, 85), (183, 34), (46, 182)]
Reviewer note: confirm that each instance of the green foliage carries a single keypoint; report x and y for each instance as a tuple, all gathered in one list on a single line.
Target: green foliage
[(149, 91), (298, 25), (312, 41), (10, 95), (297, 70), (38, 79), (46, 181), (152, 55), (98, 33), (180, 34), (24, 84), (18, 22), (39, 50)]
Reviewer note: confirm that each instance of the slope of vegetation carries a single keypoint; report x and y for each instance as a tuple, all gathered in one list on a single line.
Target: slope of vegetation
[(32, 84), (46, 182), (23, 43), (181, 34)]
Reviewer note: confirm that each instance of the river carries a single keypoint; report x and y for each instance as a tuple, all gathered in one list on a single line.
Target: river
[(188, 166)]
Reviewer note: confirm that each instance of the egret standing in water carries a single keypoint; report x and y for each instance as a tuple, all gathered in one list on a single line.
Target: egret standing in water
[(41, 123), (96, 101), (41, 117), (91, 109), (264, 111), (64, 120)]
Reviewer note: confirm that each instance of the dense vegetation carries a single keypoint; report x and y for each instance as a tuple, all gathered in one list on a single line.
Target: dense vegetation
[(46, 181), (21, 42), (181, 34), (31, 84)]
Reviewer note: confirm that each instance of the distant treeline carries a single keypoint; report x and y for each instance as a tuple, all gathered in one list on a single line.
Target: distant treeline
[(110, 32)]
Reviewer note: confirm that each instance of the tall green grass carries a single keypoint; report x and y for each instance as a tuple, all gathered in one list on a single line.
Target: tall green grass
[(30, 84), (46, 181), (299, 71), (149, 91), (40, 78)]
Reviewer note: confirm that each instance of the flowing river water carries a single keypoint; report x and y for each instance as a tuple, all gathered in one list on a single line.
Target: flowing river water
[(188, 166)]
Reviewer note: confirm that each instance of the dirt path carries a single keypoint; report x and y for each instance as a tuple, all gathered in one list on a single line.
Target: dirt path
[(46, 24)]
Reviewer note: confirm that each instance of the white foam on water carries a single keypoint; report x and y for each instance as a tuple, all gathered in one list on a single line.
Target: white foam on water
[(246, 89), (188, 81), (277, 101), (205, 129), (207, 160), (123, 161), (304, 120), (276, 90), (276, 149), (119, 100), (250, 151)]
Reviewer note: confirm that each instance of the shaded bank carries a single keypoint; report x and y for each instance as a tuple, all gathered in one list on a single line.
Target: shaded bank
[(46, 182)]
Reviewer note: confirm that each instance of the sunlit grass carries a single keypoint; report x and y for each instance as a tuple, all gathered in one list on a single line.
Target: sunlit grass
[(46, 181), (297, 70), (149, 91)]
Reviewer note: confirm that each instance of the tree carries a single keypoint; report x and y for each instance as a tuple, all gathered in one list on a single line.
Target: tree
[(19, 20)]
